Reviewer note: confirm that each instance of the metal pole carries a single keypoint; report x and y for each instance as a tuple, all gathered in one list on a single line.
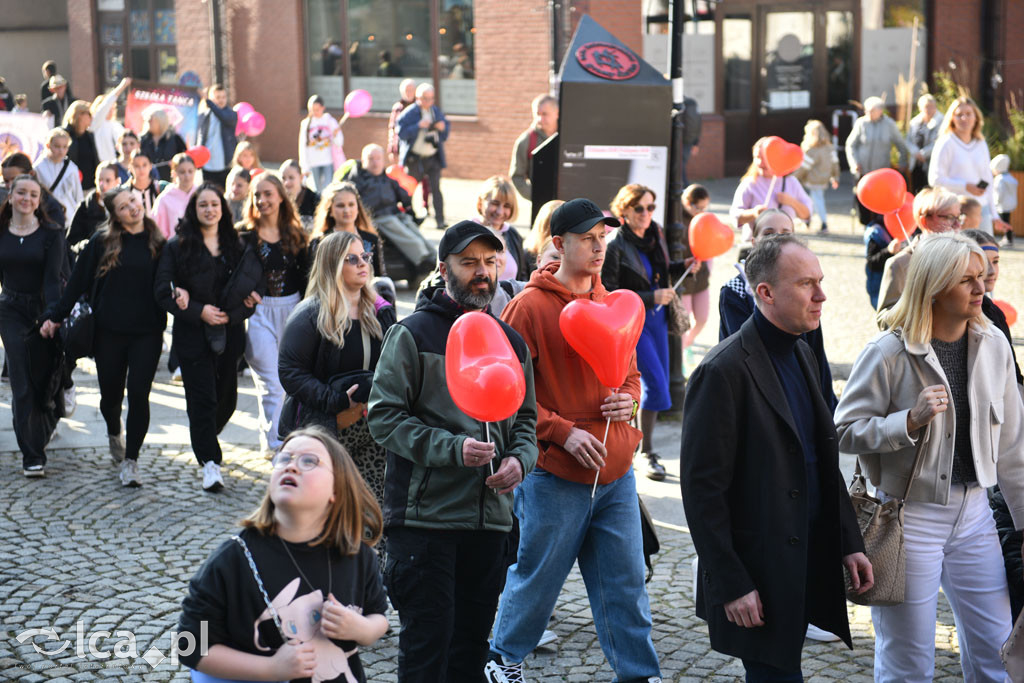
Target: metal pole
[(555, 14), (675, 231)]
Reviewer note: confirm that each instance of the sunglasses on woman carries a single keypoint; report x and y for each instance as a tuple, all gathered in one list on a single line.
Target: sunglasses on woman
[(356, 259), (640, 208)]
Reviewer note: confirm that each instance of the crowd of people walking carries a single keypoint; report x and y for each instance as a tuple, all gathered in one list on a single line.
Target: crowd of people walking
[(383, 491)]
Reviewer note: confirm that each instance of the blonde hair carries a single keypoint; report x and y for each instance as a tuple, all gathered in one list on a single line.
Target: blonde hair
[(541, 230), (160, 116), (938, 264), (933, 200), (57, 133), (497, 187), (969, 203), (323, 221), (979, 120), (353, 518), (751, 171), (815, 135), (75, 109), (325, 283), (244, 146)]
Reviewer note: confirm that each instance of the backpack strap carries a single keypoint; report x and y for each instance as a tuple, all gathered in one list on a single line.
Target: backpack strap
[(60, 176)]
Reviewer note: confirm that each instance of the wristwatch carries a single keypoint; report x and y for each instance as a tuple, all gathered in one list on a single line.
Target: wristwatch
[(636, 407)]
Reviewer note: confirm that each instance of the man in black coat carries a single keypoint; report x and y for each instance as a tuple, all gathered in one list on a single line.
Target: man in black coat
[(764, 498)]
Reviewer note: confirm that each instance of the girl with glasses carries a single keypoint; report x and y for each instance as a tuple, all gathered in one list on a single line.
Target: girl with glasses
[(297, 591), (330, 348)]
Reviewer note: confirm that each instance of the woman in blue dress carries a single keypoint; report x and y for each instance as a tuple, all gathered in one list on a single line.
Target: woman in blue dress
[(637, 259)]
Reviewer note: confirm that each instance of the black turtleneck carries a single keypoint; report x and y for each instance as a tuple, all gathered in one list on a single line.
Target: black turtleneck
[(781, 348)]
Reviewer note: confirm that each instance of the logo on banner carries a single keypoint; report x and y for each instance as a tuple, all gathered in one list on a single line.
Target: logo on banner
[(605, 60)]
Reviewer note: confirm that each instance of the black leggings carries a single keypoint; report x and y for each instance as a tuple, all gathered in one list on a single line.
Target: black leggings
[(127, 359), (211, 393)]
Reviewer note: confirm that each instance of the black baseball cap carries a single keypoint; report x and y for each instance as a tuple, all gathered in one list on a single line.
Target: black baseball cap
[(579, 216), (459, 236)]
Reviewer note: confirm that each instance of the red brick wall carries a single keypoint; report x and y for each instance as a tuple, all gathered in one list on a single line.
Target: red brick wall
[(955, 35), (1013, 30), (82, 71), (710, 160), (622, 18), (194, 36), (264, 61), (509, 75)]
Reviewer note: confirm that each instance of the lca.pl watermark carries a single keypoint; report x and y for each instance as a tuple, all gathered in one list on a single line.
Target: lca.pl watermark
[(89, 645)]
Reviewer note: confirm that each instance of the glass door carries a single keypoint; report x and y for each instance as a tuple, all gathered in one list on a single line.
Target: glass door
[(787, 73)]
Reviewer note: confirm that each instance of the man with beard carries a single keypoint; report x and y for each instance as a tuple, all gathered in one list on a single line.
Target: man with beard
[(560, 521), (447, 493)]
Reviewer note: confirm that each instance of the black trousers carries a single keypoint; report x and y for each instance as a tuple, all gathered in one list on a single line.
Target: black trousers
[(127, 360), (918, 179), (445, 586), (429, 167), (211, 391), (33, 424)]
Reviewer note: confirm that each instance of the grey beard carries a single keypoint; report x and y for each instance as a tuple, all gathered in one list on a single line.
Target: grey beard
[(465, 297)]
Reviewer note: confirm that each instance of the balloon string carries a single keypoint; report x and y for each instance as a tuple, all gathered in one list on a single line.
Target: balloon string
[(771, 191), (343, 119), (607, 426), (487, 438), (900, 221), (679, 282)]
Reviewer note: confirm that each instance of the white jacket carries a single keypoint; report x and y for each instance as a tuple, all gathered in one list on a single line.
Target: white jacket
[(887, 378)]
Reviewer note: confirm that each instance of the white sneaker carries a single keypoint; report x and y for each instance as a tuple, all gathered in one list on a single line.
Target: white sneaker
[(129, 475), (821, 635), (34, 471), (176, 376), (69, 402), (547, 638), (497, 671), (212, 481)]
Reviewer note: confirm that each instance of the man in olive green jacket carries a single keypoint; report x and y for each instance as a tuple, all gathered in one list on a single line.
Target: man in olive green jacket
[(447, 518)]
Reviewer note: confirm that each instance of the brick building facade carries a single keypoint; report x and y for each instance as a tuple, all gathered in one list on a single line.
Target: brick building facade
[(262, 50)]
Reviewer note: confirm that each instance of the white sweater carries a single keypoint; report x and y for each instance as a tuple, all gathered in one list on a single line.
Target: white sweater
[(954, 164), (68, 192)]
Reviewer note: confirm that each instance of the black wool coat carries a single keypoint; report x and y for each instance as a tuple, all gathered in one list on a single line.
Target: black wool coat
[(744, 488)]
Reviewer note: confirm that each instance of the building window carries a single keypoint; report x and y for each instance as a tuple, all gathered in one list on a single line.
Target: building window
[(138, 38), (374, 44)]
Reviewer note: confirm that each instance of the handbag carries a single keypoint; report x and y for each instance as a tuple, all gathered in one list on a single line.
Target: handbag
[(881, 525), (200, 677), (677, 317), (1012, 651), (79, 328)]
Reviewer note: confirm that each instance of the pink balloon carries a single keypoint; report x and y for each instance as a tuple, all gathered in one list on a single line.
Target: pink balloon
[(243, 108), (254, 123), (357, 103)]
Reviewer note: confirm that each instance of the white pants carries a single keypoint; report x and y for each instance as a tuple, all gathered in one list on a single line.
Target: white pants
[(262, 338), (955, 546)]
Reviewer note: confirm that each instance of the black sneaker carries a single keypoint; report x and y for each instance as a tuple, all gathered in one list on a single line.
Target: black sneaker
[(497, 671), (655, 470)]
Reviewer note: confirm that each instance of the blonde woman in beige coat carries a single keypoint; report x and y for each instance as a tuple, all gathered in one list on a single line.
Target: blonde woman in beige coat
[(941, 381)]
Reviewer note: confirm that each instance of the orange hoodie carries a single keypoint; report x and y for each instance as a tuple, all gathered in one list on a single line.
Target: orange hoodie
[(568, 392)]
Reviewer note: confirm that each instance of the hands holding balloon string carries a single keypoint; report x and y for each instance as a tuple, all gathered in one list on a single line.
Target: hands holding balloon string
[(510, 470)]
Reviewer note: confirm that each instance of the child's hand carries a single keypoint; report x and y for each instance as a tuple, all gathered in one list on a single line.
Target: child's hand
[(835, 184), (341, 622), (294, 659), (896, 246)]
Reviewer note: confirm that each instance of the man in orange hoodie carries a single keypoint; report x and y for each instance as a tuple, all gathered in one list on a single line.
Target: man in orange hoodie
[(559, 523)]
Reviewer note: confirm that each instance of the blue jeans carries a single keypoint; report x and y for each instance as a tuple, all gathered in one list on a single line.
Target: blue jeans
[(818, 200), (556, 528), (322, 176)]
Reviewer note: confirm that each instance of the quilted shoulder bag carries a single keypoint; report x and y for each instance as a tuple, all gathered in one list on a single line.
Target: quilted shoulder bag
[(881, 525)]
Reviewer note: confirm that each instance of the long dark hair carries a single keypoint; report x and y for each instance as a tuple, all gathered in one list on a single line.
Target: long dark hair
[(7, 211), (293, 236), (190, 231), (112, 231)]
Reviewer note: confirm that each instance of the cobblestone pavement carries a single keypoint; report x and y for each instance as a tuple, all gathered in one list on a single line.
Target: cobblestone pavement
[(76, 548)]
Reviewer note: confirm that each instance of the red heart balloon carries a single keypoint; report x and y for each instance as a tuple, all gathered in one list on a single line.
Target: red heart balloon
[(605, 333), (906, 216), (199, 155), (484, 376), (709, 237), (882, 191), (781, 157), (1009, 311)]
